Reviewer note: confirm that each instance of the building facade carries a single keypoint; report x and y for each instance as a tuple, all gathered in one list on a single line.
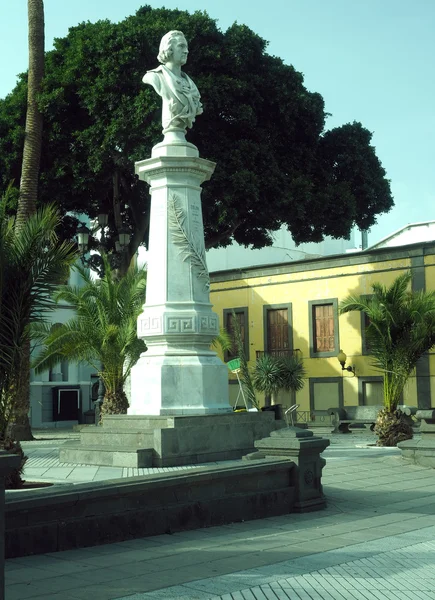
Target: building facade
[(62, 396), (293, 307)]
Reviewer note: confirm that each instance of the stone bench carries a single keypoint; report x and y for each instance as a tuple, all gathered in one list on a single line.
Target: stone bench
[(345, 416)]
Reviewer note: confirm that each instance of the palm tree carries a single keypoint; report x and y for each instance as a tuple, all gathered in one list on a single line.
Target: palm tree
[(103, 332), (33, 131), (27, 201), (401, 329), (32, 264), (223, 340)]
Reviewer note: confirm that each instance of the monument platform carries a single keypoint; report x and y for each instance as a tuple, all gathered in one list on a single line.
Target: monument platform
[(139, 441)]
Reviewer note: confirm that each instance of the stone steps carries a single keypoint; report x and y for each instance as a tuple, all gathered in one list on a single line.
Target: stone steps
[(164, 441), (100, 436), (106, 456), (141, 422), (136, 422)]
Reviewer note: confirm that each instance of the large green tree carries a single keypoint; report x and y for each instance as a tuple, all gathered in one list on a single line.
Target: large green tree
[(276, 164)]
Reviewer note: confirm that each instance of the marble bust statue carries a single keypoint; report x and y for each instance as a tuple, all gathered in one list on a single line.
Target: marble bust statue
[(180, 96)]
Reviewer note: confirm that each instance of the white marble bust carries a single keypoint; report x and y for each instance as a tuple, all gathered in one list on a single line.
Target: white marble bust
[(180, 96)]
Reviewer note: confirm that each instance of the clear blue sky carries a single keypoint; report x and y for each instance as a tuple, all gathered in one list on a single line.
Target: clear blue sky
[(372, 61)]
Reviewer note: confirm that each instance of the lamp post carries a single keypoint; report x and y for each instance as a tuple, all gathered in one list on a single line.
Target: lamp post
[(341, 357), (84, 234)]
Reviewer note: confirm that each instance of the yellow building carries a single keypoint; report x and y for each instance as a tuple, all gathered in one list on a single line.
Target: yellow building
[(294, 307)]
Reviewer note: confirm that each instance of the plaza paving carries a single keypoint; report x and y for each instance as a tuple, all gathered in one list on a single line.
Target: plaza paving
[(375, 540)]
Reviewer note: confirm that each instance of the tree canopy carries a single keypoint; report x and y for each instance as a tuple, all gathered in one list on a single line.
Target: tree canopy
[(276, 163)]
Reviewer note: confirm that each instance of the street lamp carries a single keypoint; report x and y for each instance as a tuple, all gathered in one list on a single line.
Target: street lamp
[(83, 234), (341, 357), (123, 238), (103, 220)]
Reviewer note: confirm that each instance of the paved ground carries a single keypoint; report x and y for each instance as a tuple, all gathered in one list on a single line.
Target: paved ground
[(375, 541)]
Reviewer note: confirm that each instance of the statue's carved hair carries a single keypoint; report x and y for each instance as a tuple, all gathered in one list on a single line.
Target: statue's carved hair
[(165, 48)]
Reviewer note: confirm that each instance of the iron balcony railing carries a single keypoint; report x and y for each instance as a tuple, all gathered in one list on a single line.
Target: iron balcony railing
[(261, 353)]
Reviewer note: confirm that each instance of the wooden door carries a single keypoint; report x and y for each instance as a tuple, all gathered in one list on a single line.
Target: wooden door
[(278, 342)]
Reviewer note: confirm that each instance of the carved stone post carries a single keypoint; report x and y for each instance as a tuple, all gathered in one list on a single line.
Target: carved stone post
[(179, 374), (303, 448)]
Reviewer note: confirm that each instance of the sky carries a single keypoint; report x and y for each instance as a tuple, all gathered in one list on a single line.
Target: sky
[(371, 60)]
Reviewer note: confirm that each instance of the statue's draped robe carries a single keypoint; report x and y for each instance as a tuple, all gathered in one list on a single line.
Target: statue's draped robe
[(181, 98)]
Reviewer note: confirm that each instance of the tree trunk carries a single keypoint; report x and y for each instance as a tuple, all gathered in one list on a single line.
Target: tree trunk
[(29, 186), (33, 131), (115, 403), (19, 426)]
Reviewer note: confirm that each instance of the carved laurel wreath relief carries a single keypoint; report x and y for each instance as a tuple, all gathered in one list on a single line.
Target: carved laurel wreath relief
[(189, 246)]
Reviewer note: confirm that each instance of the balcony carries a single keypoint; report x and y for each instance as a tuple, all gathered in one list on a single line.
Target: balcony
[(261, 353)]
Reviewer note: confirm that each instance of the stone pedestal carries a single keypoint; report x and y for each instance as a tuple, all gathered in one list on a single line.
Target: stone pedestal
[(179, 374), (139, 441), (303, 448), (421, 451)]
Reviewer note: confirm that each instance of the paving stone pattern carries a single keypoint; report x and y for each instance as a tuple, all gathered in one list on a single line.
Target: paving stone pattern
[(375, 540)]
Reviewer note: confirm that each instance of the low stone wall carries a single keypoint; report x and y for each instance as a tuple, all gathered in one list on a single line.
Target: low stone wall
[(421, 451), (62, 518)]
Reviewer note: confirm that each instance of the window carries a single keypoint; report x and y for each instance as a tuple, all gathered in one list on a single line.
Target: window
[(365, 322), (242, 320), (323, 328), (60, 371), (278, 333), (325, 392)]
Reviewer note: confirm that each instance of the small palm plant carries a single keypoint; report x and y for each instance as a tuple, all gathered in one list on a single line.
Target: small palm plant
[(401, 329), (103, 332), (294, 373), (274, 373), (268, 377)]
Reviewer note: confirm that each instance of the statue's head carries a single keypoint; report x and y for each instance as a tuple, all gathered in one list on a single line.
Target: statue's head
[(167, 45)]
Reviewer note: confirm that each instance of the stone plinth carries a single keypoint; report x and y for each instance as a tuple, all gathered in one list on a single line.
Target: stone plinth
[(303, 448), (179, 374), (421, 451), (139, 441)]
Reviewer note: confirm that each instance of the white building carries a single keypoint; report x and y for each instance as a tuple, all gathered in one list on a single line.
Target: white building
[(412, 233), (61, 396)]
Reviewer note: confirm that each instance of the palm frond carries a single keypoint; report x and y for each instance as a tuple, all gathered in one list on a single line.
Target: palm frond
[(190, 246), (103, 332)]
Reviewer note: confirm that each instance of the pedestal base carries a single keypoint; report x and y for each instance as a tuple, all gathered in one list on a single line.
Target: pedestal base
[(179, 385), (139, 441)]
